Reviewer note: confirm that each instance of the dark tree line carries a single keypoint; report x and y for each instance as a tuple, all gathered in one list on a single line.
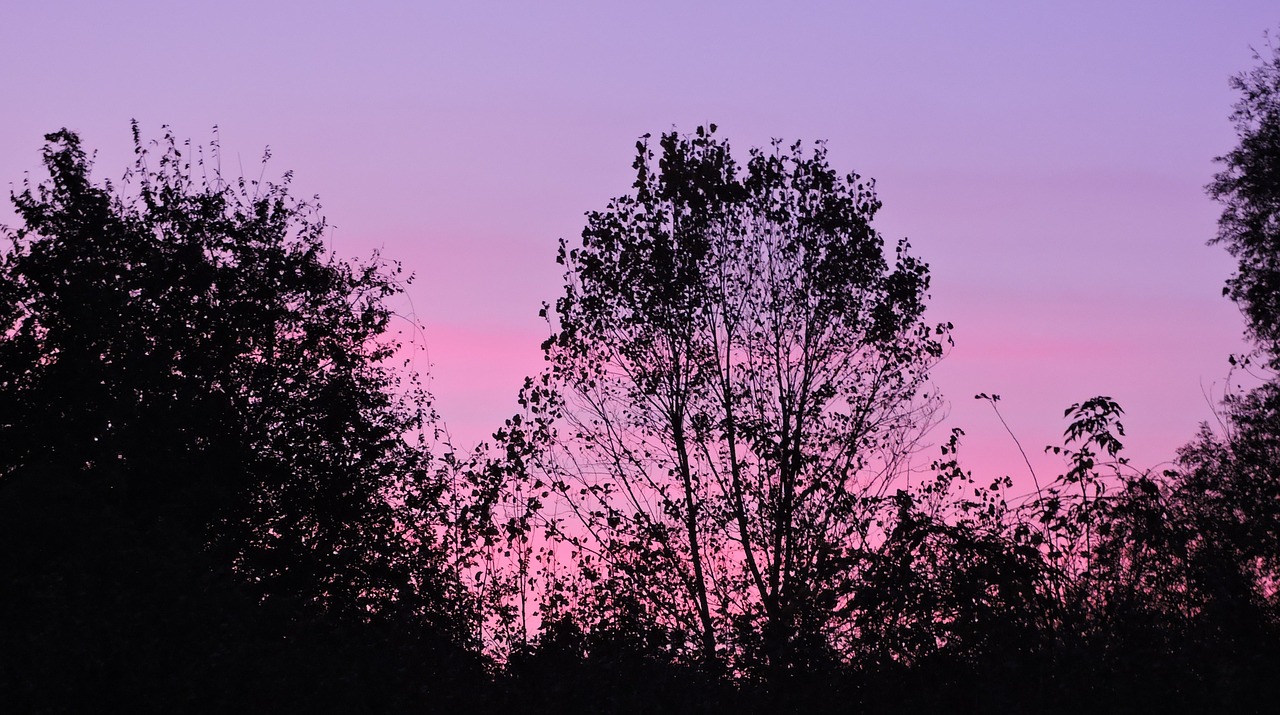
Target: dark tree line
[(220, 489)]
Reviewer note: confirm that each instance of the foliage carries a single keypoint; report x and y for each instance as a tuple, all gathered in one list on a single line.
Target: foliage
[(199, 411), (951, 581), (1248, 187), (1227, 484), (736, 369), (1228, 489)]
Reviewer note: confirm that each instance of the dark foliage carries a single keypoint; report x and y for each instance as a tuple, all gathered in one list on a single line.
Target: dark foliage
[(205, 483), (737, 372), (1249, 189)]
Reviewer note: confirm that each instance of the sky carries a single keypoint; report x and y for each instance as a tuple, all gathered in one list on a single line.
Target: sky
[(1046, 159)]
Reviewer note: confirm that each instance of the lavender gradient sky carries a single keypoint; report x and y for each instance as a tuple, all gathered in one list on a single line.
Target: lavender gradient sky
[(1046, 159)]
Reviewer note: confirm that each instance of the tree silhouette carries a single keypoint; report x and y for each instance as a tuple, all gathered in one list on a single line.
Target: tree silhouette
[(1248, 187), (737, 371), (1178, 597), (1229, 483), (198, 412)]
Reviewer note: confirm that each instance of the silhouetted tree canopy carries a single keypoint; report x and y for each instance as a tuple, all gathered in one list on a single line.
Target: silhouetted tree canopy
[(1249, 189), (1229, 482), (737, 373), (199, 409)]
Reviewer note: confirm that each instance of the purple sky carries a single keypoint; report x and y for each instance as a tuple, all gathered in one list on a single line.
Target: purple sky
[(1048, 163)]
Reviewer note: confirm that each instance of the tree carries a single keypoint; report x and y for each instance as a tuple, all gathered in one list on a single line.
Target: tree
[(1248, 188), (1229, 483), (195, 393), (736, 371), (1199, 550), (1227, 491)]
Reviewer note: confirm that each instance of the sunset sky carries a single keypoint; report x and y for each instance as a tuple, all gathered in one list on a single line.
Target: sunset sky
[(1047, 159)]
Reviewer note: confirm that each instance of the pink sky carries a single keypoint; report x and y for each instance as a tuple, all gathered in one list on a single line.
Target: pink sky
[(1048, 163)]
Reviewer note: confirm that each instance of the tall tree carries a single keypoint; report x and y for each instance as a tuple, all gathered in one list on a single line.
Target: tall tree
[(194, 391), (1224, 494), (1248, 187), (737, 368), (1230, 483)]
